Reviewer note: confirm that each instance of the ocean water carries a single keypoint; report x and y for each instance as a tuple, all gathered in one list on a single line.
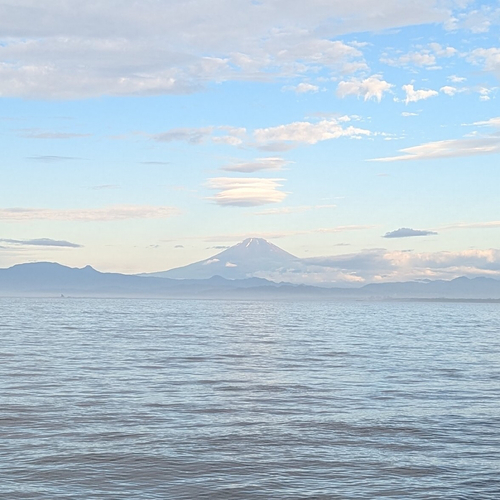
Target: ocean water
[(161, 399)]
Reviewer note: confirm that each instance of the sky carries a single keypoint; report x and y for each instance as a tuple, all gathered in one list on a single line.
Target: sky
[(142, 136)]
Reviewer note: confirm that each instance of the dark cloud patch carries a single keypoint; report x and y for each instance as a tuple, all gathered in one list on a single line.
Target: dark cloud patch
[(406, 232), (42, 242)]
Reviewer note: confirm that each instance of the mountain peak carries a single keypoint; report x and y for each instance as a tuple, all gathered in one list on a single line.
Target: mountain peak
[(253, 241), (246, 259)]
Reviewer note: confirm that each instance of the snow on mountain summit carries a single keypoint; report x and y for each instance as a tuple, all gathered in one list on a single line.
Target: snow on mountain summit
[(243, 260)]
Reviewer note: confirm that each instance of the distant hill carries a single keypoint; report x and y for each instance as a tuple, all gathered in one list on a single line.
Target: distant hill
[(240, 261), (50, 279), (46, 278)]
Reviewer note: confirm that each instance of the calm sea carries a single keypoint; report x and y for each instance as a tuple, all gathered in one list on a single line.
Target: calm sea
[(161, 399)]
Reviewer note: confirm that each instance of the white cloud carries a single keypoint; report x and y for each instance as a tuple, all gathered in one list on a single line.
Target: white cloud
[(413, 95), (423, 58), (211, 261), (453, 148), (407, 113), (441, 51), (479, 20), (380, 265), (72, 49), (246, 192), (488, 58), (112, 213), (449, 90), (492, 122), (307, 132), (413, 58), (270, 163), (372, 87), (457, 79), (303, 88)]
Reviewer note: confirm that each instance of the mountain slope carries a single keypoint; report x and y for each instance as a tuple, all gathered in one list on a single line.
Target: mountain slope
[(240, 261)]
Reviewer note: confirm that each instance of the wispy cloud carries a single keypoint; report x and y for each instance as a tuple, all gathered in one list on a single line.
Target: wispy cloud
[(453, 148), (492, 122), (40, 134), (222, 134), (473, 225), (189, 135), (104, 187), (41, 242), (292, 210), (271, 235), (303, 88), (246, 192), (406, 232), (112, 213), (53, 158), (270, 163)]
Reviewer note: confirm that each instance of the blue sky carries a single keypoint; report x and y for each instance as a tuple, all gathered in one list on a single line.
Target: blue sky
[(138, 137)]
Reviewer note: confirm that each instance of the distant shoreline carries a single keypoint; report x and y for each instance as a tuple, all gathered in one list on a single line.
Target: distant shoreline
[(257, 299)]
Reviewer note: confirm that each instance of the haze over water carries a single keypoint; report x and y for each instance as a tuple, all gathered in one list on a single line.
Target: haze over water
[(146, 399)]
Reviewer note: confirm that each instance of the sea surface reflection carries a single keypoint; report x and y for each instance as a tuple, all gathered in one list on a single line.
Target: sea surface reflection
[(159, 399)]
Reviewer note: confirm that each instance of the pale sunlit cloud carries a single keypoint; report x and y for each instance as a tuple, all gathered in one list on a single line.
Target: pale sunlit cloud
[(270, 163), (246, 192), (370, 88), (303, 88), (492, 122), (488, 58), (381, 265), (453, 148), (308, 132), (292, 210), (105, 214), (74, 50), (473, 225)]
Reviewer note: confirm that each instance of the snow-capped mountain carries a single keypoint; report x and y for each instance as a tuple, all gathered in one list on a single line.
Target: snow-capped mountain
[(244, 260)]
